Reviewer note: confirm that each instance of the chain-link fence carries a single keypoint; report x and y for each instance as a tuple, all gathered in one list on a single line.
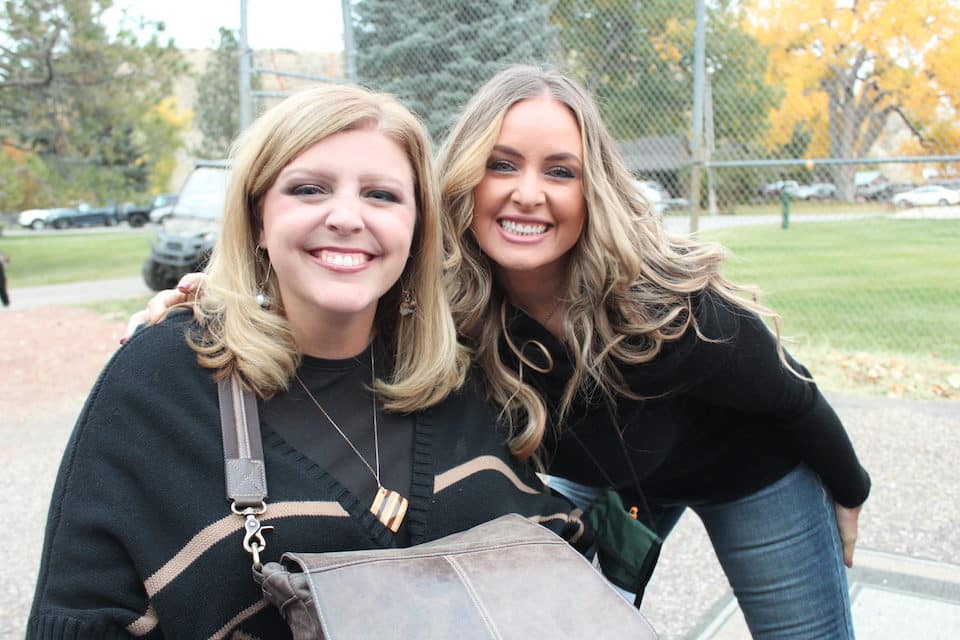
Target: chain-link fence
[(731, 108)]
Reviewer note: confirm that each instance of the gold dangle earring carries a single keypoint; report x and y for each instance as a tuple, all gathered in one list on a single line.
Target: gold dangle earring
[(408, 304), (263, 300)]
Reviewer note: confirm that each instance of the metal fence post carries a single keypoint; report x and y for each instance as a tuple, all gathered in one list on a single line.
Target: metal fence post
[(245, 106), (349, 50), (699, 80), (785, 208)]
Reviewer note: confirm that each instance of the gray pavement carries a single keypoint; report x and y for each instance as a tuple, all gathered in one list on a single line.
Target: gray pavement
[(905, 582), (680, 222), (77, 292)]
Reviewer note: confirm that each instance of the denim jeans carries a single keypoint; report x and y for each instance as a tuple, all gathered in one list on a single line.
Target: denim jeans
[(780, 549)]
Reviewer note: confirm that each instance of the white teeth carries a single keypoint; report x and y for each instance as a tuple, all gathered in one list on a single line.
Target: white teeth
[(523, 229), (343, 259)]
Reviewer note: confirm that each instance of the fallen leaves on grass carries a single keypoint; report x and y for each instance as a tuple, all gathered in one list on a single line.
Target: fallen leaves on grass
[(892, 376)]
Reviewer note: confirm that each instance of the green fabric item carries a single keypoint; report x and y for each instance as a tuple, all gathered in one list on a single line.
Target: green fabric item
[(628, 550)]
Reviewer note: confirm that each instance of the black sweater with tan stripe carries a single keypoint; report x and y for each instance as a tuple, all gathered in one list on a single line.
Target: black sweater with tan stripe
[(140, 541)]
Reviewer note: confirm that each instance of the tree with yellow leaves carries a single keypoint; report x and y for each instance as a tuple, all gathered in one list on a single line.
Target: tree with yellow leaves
[(850, 67)]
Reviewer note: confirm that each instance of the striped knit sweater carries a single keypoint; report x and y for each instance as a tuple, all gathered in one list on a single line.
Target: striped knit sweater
[(140, 541)]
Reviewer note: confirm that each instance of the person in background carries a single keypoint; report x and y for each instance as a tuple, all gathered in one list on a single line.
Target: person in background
[(324, 297), (4, 296)]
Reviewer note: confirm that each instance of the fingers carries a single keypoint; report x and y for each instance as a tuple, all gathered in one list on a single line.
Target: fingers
[(161, 302), (190, 283), (847, 524), (186, 290), (135, 321)]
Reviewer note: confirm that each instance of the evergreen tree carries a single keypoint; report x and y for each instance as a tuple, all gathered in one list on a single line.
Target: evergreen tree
[(433, 54), (218, 98)]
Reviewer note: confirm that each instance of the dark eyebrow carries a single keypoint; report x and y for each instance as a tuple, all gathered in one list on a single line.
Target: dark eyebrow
[(563, 156), (507, 151)]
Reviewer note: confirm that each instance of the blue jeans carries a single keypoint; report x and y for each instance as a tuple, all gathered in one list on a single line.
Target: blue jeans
[(780, 549)]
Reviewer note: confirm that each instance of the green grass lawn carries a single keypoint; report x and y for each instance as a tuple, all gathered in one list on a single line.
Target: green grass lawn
[(70, 257), (878, 285)]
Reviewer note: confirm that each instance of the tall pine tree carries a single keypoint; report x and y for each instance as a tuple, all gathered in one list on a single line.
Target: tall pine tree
[(433, 54), (218, 98)]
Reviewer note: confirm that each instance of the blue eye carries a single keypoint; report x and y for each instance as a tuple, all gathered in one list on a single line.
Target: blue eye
[(561, 172), (308, 190), (500, 165), (382, 194)]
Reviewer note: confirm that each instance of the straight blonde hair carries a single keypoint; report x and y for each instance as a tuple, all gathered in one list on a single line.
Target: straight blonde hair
[(238, 336)]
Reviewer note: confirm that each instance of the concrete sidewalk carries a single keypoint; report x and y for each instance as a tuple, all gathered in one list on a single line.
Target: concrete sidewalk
[(893, 597), (77, 292)]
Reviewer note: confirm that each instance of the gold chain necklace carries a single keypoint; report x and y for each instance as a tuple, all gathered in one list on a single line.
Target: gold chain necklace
[(549, 317), (388, 506)]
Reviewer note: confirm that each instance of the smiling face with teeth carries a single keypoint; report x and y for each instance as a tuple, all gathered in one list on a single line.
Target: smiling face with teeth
[(529, 208), (338, 224)]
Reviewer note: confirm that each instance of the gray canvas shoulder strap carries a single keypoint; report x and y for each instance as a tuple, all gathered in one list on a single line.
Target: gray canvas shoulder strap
[(242, 449), (244, 471)]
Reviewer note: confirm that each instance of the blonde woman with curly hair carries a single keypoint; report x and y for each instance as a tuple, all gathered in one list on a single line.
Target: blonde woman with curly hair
[(331, 232), (657, 374)]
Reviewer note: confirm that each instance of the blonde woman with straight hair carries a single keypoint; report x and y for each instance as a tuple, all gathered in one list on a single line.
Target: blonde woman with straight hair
[(256, 342), (323, 297), (624, 358)]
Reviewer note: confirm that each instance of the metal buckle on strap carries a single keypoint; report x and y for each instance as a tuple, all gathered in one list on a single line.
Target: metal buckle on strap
[(253, 540)]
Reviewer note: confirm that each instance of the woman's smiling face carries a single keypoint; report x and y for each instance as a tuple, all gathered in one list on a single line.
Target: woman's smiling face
[(338, 223), (529, 208)]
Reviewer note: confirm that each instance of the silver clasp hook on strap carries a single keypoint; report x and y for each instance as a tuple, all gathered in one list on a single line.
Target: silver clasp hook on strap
[(253, 540)]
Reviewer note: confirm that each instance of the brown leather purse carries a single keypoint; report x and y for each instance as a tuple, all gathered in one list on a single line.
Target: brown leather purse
[(506, 579)]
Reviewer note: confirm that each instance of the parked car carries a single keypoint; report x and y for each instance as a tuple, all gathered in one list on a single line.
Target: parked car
[(667, 202), (950, 184), (879, 191), (136, 215), (84, 216), (651, 191), (37, 219), (63, 218), (774, 189), (162, 207), (815, 191), (927, 195), (190, 232)]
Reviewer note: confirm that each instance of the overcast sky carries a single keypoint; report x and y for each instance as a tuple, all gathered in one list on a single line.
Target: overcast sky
[(302, 25)]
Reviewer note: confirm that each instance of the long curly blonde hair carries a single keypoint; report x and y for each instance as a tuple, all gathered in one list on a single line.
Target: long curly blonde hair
[(629, 282), (238, 336)]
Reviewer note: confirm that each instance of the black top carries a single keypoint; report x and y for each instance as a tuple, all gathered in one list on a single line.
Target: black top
[(722, 418), (140, 541), (342, 388)]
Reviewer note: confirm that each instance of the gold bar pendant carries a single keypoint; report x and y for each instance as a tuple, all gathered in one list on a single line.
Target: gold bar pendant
[(389, 507)]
